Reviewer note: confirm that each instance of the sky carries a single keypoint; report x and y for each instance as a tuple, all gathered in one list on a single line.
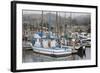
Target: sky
[(74, 14)]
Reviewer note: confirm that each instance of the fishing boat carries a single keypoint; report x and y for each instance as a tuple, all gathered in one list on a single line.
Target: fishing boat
[(48, 46)]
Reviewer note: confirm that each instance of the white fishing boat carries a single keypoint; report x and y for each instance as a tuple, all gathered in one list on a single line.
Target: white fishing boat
[(49, 47)]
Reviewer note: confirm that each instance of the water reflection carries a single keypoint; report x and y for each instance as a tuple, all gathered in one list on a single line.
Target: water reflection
[(30, 56)]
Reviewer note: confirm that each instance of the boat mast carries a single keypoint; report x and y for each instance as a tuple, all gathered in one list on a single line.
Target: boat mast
[(57, 23), (41, 21), (49, 23)]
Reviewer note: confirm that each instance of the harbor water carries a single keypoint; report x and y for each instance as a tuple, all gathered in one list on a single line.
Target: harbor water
[(29, 56)]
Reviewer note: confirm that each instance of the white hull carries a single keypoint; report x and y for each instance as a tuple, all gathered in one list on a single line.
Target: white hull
[(51, 51)]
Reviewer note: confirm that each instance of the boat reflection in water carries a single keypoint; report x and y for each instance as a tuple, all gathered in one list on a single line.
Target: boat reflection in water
[(30, 56)]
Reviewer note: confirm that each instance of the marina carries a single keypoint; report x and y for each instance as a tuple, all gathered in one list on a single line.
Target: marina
[(55, 36)]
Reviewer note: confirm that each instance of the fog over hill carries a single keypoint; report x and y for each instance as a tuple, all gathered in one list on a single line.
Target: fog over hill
[(75, 19)]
